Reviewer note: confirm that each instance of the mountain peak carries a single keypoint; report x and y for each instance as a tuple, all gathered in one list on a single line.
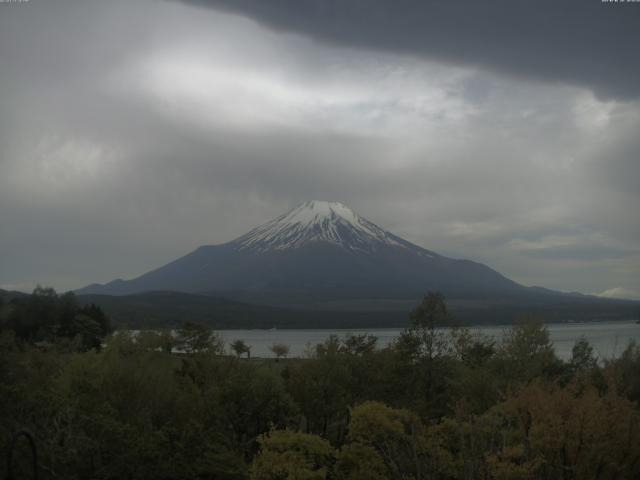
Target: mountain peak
[(316, 210), (317, 221)]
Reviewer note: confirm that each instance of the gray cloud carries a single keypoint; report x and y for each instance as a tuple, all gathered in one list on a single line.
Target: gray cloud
[(130, 133), (590, 43), (573, 252)]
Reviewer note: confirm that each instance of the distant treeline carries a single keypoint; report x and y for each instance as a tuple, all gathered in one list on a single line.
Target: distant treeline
[(170, 309), (164, 309), (435, 404), (44, 316)]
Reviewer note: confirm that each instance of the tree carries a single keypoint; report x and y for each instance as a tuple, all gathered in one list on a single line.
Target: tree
[(473, 384), (87, 331), (88, 324), (625, 371), (423, 336), (432, 312), (96, 313), (252, 397), (393, 442), (36, 317), (155, 340), (239, 347), (356, 461), (359, 345), (473, 350), (573, 432), (425, 356), (45, 316), (125, 413), (197, 338), (526, 352), (289, 455), (582, 355), (321, 387), (279, 350)]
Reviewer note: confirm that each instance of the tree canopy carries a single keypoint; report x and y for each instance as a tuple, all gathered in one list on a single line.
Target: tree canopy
[(443, 404)]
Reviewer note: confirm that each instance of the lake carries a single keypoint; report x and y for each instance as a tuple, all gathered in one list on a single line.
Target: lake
[(607, 338)]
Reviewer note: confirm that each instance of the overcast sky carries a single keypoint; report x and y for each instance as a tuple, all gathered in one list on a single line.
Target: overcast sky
[(504, 132)]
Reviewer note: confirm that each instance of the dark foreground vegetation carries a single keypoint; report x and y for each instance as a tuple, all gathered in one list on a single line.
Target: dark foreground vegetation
[(434, 405)]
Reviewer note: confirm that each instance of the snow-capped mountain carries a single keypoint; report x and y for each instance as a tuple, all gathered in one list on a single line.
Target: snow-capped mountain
[(315, 221), (318, 249)]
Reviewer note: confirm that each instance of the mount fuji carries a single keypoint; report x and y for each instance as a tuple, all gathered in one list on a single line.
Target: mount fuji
[(322, 257), (318, 250)]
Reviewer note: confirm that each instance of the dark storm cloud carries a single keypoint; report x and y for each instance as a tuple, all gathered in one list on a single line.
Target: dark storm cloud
[(582, 42)]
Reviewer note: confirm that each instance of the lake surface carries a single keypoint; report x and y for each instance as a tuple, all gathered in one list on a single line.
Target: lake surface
[(608, 339)]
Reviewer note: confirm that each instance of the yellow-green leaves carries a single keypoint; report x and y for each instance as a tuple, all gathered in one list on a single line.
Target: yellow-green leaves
[(289, 455)]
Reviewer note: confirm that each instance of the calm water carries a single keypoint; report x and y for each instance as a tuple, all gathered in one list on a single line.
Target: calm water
[(607, 338)]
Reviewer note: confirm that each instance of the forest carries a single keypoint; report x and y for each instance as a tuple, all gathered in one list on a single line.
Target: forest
[(81, 401)]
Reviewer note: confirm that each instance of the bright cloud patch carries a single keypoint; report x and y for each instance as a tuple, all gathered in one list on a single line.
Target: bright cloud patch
[(620, 292)]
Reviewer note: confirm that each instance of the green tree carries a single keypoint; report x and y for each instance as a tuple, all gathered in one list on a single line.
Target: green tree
[(194, 337), (527, 353), (320, 387), (424, 338), (472, 381), (359, 345), (425, 356), (94, 312), (239, 347), (252, 399), (289, 455), (154, 340), (391, 443), (356, 461), (45, 316), (279, 350), (624, 371), (473, 350), (582, 357), (36, 317)]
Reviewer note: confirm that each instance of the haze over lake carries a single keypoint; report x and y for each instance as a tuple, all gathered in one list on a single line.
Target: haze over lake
[(607, 338)]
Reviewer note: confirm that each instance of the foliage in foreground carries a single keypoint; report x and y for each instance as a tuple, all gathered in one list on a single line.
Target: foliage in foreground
[(437, 404)]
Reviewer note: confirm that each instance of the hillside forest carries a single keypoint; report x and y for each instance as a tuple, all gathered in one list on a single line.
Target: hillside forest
[(81, 401)]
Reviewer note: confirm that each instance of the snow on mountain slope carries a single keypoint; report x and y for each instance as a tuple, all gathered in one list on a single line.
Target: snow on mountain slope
[(317, 221)]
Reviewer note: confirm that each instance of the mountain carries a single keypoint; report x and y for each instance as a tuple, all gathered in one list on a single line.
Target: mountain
[(318, 250), (8, 295)]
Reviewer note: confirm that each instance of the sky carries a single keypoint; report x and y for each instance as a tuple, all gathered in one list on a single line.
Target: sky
[(506, 132)]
